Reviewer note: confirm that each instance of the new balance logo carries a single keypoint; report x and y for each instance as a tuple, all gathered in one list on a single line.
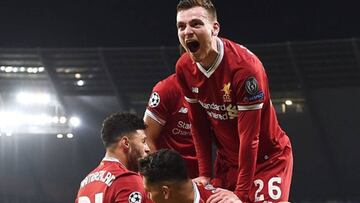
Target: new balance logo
[(195, 90), (183, 110)]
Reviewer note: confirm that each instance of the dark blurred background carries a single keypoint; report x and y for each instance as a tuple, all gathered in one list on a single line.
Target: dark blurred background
[(92, 58)]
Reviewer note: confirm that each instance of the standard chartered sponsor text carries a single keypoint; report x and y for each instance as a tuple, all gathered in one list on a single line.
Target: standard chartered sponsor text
[(225, 112)]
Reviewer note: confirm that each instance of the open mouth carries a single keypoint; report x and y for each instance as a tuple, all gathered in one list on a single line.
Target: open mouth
[(193, 46)]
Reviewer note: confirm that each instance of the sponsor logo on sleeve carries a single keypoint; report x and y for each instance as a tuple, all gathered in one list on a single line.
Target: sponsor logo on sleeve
[(257, 97), (251, 86), (135, 197), (154, 100)]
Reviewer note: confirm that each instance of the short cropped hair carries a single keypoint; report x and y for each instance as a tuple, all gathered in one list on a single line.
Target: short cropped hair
[(163, 165), (118, 124), (206, 4)]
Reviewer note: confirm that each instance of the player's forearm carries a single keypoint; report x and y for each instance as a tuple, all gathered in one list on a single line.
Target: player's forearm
[(249, 143), (203, 153), (247, 168), (200, 129)]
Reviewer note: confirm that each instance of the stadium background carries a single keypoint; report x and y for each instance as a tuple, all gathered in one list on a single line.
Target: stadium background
[(120, 49)]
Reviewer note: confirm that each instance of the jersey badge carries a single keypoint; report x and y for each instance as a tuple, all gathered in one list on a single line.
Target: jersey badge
[(209, 187), (226, 89), (154, 100), (251, 86), (135, 197)]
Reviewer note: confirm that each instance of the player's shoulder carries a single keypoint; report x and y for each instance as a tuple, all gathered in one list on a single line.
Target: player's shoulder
[(130, 175), (241, 59), (238, 51), (167, 89), (184, 62), (166, 83), (117, 169)]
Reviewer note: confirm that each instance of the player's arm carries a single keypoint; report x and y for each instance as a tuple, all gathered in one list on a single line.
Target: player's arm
[(250, 94), (152, 131), (157, 113), (200, 127), (248, 130)]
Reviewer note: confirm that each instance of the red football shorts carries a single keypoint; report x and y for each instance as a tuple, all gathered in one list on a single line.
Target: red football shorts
[(271, 182), (272, 178)]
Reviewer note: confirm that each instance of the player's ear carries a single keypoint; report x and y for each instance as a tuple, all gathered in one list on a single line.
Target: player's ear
[(215, 29), (125, 142), (165, 191)]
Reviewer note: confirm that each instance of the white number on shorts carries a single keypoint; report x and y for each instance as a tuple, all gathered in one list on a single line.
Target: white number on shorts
[(98, 198), (273, 190), (259, 183)]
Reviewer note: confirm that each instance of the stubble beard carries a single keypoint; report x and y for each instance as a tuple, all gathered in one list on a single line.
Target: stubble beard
[(134, 157)]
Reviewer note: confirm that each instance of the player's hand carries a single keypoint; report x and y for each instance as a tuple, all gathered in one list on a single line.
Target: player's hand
[(223, 196), (202, 180)]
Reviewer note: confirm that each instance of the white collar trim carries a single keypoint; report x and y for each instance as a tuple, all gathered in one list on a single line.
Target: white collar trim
[(109, 158), (213, 67)]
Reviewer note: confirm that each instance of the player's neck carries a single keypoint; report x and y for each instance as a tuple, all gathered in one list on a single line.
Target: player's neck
[(212, 56), (118, 157), (186, 192)]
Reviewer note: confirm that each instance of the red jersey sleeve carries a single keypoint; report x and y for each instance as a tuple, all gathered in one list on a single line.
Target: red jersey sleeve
[(250, 85), (200, 125), (160, 101), (129, 188)]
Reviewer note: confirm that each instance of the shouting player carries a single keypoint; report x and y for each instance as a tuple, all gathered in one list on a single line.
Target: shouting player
[(227, 90)]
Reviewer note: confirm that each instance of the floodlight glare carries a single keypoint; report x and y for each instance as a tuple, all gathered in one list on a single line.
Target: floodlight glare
[(288, 102), (70, 135), (41, 69), (8, 69), (55, 119), (62, 119), (80, 83), (74, 121), (33, 98)]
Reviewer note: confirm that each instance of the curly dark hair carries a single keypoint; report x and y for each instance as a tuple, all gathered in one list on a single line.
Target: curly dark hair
[(115, 125), (207, 4), (163, 165)]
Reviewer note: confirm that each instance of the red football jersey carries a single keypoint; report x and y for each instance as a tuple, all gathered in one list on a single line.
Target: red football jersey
[(232, 97), (111, 182), (167, 107)]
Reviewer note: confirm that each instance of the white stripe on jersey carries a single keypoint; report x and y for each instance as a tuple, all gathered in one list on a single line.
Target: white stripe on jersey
[(153, 116), (250, 107), (190, 100)]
